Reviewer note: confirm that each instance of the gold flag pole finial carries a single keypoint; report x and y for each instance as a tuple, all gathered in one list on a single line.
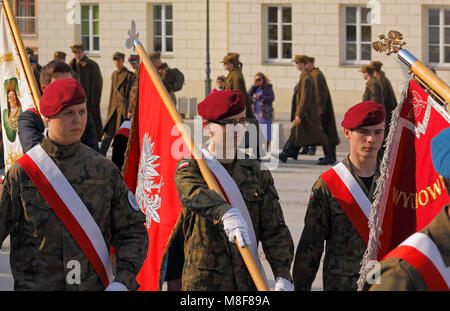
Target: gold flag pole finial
[(393, 44)]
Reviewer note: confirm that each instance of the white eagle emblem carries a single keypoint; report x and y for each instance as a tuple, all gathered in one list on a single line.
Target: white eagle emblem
[(148, 189)]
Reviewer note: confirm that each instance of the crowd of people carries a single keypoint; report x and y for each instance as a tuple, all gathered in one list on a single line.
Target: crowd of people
[(64, 166)]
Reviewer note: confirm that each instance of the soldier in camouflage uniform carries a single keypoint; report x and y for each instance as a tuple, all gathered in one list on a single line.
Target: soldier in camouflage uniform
[(326, 221), (374, 89), (211, 261), (41, 246)]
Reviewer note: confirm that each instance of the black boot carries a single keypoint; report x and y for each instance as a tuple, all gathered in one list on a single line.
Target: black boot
[(289, 150), (330, 155), (106, 142)]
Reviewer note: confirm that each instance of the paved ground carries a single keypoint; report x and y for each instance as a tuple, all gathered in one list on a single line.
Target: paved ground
[(293, 181)]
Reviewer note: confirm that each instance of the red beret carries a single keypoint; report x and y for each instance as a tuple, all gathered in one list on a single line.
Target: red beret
[(363, 114), (221, 105), (60, 94)]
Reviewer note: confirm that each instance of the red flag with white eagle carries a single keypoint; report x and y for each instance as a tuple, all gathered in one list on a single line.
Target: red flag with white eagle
[(409, 193), (155, 149)]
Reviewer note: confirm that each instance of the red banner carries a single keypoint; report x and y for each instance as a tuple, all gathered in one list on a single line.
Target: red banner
[(155, 149), (410, 192)]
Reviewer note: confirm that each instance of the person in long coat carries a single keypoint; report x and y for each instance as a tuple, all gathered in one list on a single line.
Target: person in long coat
[(326, 113), (88, 73), (235, 81), (374, 89), (122, 81), (390, 101), (306, 129)]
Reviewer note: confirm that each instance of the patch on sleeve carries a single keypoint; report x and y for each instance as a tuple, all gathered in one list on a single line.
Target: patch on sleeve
[(132, 199), (311, 196), (2, 179), (184, 164)]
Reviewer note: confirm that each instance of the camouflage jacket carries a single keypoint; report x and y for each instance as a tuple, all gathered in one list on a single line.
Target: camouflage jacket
[(326, 221), (398, 275), (42, 248), (213, 263)]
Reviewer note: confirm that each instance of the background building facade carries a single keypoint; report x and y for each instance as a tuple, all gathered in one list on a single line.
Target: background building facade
[(266, 33)]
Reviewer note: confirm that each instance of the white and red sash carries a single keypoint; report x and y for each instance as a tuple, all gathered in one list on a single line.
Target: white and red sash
[(350, 197), (422, 253), (234, 197), (70, 209)]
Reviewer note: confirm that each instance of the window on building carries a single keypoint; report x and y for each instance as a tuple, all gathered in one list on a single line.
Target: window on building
[(278, 33), (357, 35), (438, 36), (162, 31), (26, 17), (90, 28)]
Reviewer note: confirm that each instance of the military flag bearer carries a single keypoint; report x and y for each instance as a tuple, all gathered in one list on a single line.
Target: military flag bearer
[(251, 213), (64, 205)]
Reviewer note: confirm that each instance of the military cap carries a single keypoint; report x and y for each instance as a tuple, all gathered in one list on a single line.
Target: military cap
[(133, 58), (440, 153), (77, 47), (367, 68), (61, 94), (118, 55), (231, 58), (376, 65), (59, 55), (154, 56), (363, 114), (221, 78), (310, 59), (221, 105), (29, 51), (300, 59)]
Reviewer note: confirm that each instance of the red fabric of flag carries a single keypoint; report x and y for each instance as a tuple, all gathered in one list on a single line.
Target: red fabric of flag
[(156, 147), (413, 192)]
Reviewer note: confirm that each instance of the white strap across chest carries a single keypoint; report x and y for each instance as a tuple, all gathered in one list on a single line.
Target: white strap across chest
[(236, 200)]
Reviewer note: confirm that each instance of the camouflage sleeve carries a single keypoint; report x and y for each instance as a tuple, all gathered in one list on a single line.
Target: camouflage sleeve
[(310, 247), (194, 193), (396, 275), (275, 236), (9, 205), (129, 235)]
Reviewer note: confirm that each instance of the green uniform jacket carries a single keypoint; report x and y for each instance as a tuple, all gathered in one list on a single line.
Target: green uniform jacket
[(310, 131), (213, 263), (326, 222), (398, 275), (325, 106), (42, 247), (121, 84), (374, 91), (87, 72)]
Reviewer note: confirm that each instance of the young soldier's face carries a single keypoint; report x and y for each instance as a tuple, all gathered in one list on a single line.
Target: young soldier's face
[(365, 141), (227, 136), (68, 125)]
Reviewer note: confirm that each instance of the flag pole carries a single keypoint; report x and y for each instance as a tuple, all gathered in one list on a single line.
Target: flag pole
[(22, 54), (206, 173)]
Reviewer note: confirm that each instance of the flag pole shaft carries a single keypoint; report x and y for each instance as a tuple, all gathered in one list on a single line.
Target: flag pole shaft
[(206, 173), (23, 56), (425, 74)]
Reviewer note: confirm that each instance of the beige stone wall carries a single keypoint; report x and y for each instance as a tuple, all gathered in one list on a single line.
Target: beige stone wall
[(237, 25)]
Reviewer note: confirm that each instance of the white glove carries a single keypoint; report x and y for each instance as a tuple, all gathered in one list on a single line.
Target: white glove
[(283, 285), (235, 227), (116, 287)]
